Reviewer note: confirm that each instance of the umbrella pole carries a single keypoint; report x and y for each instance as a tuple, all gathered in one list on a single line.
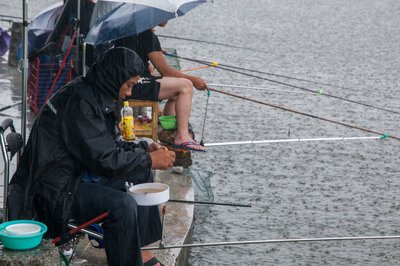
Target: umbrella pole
[(25, 67), (84, 59), (78, 39)]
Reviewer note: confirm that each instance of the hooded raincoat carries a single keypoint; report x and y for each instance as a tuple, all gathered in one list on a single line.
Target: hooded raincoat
[(76, 132)]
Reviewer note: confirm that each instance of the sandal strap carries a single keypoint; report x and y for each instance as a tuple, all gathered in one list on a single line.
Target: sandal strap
[(187, 143), (152, 261)]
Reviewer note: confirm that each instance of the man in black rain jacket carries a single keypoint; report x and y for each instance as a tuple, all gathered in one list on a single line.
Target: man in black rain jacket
[(75, 133)]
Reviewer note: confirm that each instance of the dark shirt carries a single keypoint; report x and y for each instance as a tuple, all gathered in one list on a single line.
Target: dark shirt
[(143, 44)]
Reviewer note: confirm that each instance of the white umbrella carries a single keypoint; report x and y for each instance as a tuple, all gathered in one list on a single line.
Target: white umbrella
[(44, 21), (114, 19)]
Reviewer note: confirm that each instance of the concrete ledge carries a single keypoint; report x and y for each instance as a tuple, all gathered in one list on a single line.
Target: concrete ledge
[(45, 254), (178, 218)]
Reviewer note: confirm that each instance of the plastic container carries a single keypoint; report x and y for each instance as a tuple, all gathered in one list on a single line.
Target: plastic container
[(168, 122), (127, 122), (149, 194), (23, 229), (22, 241)]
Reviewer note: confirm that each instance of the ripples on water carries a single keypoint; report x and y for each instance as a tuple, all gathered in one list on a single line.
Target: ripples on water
[(318, 189)]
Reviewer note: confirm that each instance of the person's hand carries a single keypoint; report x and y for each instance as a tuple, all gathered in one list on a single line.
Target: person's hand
[(154, 146), (162, 159), (199, 83)]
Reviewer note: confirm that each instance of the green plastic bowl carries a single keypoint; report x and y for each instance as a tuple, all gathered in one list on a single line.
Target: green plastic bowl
[(21, 241), (168, 121)]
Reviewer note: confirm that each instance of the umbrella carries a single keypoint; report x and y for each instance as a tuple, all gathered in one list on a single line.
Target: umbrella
[(44, 21), (42, 24), (113, 19)]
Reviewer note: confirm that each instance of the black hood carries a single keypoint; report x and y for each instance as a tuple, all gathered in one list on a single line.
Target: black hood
[(113, 69)]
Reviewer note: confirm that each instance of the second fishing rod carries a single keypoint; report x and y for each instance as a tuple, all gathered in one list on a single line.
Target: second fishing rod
[(384, 135), (318, 92)]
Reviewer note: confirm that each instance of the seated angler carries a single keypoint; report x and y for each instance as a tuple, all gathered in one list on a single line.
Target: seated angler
[(174, 85), (72, 166)]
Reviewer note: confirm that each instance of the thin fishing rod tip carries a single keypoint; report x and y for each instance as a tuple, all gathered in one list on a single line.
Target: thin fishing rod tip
[(384, 136)]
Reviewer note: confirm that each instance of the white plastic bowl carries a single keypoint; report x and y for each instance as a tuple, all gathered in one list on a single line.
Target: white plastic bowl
[(149, 194), (23, 229)]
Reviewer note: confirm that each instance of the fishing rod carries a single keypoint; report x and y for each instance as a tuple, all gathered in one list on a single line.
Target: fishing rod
[(11, 17), (288, 77), (9, 106), (306, 114), (274, 241), (127, 186), (253, 88), (320, 92), (6, 20), (212, 64), (211, 203), (76, 229), (266, 73), (290, 140)]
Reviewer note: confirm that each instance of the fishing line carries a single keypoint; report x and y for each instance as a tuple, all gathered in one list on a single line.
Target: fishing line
[(384, 135), (320, 92), (288, 77), (253, 88), (288, 140), (215, 43), (205, 117), (273, 241)]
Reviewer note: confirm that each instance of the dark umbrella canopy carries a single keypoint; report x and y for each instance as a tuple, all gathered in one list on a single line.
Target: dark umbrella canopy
[(112, 20), (68, 18), (42, 24), (44, 21)]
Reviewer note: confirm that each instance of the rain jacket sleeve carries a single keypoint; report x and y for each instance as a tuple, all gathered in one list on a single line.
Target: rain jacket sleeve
[(132, 145), (92, 143)]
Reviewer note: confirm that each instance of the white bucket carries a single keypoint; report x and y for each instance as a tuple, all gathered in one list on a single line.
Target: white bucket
[(149, 194)]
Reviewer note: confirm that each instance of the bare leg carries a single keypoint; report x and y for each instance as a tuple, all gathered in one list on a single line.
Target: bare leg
[(182, 90), (169, 108)]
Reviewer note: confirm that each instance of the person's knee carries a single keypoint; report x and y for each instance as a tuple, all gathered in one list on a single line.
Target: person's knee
[(186, 86), (171, 100), (125, 204)]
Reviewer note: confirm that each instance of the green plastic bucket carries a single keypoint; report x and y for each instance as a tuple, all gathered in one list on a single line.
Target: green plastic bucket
[(24, 240), (168, 121)]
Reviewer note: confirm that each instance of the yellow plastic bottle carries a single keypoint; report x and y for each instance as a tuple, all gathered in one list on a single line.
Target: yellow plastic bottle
[(127, 122)]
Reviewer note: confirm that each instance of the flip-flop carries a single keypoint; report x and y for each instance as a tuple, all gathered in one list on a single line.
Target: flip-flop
[(151, 262), (186, 144)]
